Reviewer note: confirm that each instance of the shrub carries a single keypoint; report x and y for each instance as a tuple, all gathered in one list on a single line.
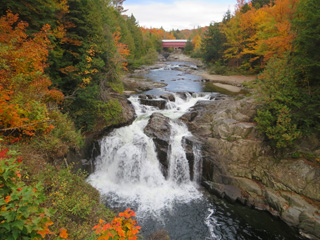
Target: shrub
[(283, 100), (151, 57), (62, 137), (76, 202), (21, 216), (122, 227)]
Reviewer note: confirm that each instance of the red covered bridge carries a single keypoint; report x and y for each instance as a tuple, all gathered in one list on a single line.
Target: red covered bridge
[(175, 43)]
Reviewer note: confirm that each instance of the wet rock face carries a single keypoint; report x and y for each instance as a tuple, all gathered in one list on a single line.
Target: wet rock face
[(188, 144), (161, 104), (159, 130), (168, 97), (239, 166)]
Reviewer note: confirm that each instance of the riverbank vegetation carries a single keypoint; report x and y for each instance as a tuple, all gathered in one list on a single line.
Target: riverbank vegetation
[(60, 70), (278, 40), (61, 63)]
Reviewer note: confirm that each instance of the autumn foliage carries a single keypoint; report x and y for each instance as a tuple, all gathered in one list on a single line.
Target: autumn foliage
[(22, 216), (254, 35), (121, 227), (24, 88), (122, 51)]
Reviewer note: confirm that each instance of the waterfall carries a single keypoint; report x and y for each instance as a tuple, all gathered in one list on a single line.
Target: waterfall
[(128, 172), (179, 171), (197, 165)]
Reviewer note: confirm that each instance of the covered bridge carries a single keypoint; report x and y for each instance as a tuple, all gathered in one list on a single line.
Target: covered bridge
[(175, 43)]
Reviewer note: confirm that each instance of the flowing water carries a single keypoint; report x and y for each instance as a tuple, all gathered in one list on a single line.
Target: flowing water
[(128, 174)]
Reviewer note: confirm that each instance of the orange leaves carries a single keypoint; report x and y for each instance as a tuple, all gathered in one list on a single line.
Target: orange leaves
[(24, 88), (122, 50), (127, 214), (122, 227), (45, 228), (7, 199), (63, 233), (260, 33)]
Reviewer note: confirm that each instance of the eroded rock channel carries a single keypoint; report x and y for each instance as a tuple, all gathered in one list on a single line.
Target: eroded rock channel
[(181, 140)]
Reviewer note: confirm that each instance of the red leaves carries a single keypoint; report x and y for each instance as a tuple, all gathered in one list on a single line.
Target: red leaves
[(3, 153)]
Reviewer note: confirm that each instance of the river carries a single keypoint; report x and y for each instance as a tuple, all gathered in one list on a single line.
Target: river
[(128, 174)]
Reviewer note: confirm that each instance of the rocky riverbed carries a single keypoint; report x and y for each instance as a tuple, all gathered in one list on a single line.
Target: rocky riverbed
[(239, 165)]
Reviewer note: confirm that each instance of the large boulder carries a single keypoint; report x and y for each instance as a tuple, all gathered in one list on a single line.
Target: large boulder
[(159, 129), (239, 165), (158, 103)]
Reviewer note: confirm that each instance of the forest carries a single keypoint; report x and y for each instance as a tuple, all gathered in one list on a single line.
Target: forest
[(278, 41), (61, 63)]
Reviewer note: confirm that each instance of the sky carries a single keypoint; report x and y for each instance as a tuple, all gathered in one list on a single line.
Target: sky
[(178, 14)]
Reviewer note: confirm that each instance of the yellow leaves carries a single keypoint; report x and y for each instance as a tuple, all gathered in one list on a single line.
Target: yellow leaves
[(63, 6), (197, 42), (59, 31), (89, 59), (260, 33), (86, 81)]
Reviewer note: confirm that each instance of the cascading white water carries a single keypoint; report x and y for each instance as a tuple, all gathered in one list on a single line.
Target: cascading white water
[(128, 171), (197, 165), (179, 171)]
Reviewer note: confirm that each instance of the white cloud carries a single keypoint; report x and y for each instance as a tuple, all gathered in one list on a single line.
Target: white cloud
[(181, 14)]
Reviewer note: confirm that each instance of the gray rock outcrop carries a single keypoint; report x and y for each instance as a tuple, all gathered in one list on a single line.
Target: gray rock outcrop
[(159, 130), (239, 166)]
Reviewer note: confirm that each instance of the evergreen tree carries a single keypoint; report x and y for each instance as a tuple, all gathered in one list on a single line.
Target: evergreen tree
[(212, 46)]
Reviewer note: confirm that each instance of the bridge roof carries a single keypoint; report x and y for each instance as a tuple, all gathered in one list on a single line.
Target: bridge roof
[(175, 40)]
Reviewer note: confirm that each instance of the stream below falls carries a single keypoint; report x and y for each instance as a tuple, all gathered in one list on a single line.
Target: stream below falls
[(128, 175)]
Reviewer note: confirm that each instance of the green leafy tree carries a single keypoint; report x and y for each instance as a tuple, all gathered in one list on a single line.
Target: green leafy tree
[(283, 100)]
